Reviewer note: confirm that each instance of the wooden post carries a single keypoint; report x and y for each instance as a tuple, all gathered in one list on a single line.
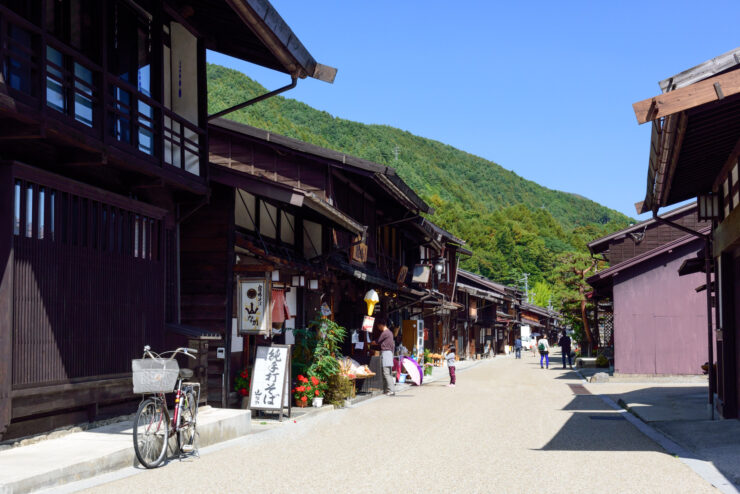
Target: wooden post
[(6, 292)]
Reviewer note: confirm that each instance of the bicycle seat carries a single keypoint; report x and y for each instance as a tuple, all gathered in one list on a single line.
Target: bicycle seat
[(186, 373)]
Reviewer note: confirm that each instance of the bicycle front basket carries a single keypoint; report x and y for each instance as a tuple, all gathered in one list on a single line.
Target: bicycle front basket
[(154, 375)]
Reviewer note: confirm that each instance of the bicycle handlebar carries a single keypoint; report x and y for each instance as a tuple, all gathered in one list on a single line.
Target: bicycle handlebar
[(186, 351)]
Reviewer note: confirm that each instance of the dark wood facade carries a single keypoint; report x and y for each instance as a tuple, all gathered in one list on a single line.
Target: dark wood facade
[(103, 142), (646, 236)]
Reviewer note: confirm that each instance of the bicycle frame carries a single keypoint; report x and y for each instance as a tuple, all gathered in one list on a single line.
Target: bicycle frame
[(176, 419)]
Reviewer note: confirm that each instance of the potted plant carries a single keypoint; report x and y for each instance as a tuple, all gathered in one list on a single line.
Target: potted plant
[(241, 386), (304, 392), (319, 389)]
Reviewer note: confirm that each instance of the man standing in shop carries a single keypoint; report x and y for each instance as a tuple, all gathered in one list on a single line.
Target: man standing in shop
[(386, 356)]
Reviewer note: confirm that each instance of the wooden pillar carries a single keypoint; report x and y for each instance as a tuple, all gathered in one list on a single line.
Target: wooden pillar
[(6, 292)]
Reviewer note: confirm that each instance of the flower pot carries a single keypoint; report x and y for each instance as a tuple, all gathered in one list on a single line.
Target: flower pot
[(318, 402), (301, 404)]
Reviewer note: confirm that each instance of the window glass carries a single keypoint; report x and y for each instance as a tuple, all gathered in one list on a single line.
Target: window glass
[(287, 228), (29, 211), (19, 71), (268, 220), (17, 210), (83, 95), (311, 239), (41, 212), (54, 88), (244, 210)]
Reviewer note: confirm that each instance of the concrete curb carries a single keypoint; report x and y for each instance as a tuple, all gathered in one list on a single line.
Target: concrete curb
[(83, 455), (705, 469)]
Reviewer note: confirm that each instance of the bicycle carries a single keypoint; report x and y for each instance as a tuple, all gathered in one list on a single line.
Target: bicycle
[(156, 375)]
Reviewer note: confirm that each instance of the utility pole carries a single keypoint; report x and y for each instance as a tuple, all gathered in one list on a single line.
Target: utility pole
[(525, 278)]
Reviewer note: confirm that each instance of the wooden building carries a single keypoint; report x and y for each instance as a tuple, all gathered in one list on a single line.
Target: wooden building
[(104, 149), (483, 302), (694, 151), (319, 225), (650, 334)]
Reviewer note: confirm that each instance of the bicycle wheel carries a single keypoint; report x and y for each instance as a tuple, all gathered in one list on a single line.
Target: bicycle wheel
[(186, 434), (151, 431)]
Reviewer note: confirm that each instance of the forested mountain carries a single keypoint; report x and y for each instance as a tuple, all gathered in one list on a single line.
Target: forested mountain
[(513, 225)]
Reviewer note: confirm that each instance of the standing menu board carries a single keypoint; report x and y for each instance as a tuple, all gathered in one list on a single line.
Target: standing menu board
[(270, 388)]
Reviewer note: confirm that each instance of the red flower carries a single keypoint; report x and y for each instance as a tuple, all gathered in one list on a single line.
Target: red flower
[(317, 392), (303, 398), (314, 380), (243, 391), (309, 388), (301, 378), (300, 389)]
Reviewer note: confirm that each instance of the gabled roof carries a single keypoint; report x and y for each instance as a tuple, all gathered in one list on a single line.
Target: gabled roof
[(252, 30), (498, 289), (602, 244), (385, 176), (542, 311), (608, 274)]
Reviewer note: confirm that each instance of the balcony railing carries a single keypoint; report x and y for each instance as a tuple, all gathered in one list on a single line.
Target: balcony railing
[(64, 84)]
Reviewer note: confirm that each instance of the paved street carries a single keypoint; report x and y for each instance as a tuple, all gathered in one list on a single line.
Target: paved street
[(508, 426)]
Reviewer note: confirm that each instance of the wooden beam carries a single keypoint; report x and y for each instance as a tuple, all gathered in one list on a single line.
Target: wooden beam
[(684, 98), (17, 131), (683, 121)]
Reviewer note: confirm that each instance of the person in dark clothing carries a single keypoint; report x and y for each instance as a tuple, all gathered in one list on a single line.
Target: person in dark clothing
[(564, 343)]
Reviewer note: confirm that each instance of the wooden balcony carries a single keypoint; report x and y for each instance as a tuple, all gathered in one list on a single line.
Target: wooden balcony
[(53, 92)]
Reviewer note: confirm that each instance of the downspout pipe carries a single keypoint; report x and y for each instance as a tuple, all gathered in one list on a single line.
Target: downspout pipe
[(293, 83), (707, 270)]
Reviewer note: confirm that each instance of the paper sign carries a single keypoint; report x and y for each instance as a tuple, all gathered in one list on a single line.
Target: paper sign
[(269, 387), (254, 316), (355, 337), (359, 345), (367, 323)]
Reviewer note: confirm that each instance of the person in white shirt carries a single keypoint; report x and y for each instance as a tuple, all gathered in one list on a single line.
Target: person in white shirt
[(544, 347)]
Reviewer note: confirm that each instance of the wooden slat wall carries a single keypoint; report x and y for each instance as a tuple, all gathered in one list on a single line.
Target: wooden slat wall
[(6, 293), (204, 265), (656, 235), (88, 289)]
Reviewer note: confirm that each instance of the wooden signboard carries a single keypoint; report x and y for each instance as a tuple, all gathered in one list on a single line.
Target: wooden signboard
[(270, 388), (401, 277), (254, 306), (358, 252)]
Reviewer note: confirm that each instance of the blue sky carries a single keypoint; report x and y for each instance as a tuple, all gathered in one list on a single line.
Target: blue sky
[(542, 88)]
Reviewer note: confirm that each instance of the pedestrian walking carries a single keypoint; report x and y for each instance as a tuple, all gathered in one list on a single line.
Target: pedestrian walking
[(564, 343), (518, 348), (449, 356), (387, 345), (544, 347)]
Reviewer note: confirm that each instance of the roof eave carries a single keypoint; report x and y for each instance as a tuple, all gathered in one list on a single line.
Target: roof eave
[(272, 30)]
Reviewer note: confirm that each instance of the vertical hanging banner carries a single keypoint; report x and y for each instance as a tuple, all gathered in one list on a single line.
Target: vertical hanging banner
[(254, 304)]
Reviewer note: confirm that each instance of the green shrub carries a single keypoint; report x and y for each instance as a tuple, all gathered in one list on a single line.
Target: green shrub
[(339, 388), (602, 361)]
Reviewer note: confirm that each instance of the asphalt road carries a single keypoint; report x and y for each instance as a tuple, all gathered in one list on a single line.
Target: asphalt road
[(508, 427)]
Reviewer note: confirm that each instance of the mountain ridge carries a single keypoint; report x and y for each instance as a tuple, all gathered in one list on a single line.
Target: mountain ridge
[(492, 208)]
